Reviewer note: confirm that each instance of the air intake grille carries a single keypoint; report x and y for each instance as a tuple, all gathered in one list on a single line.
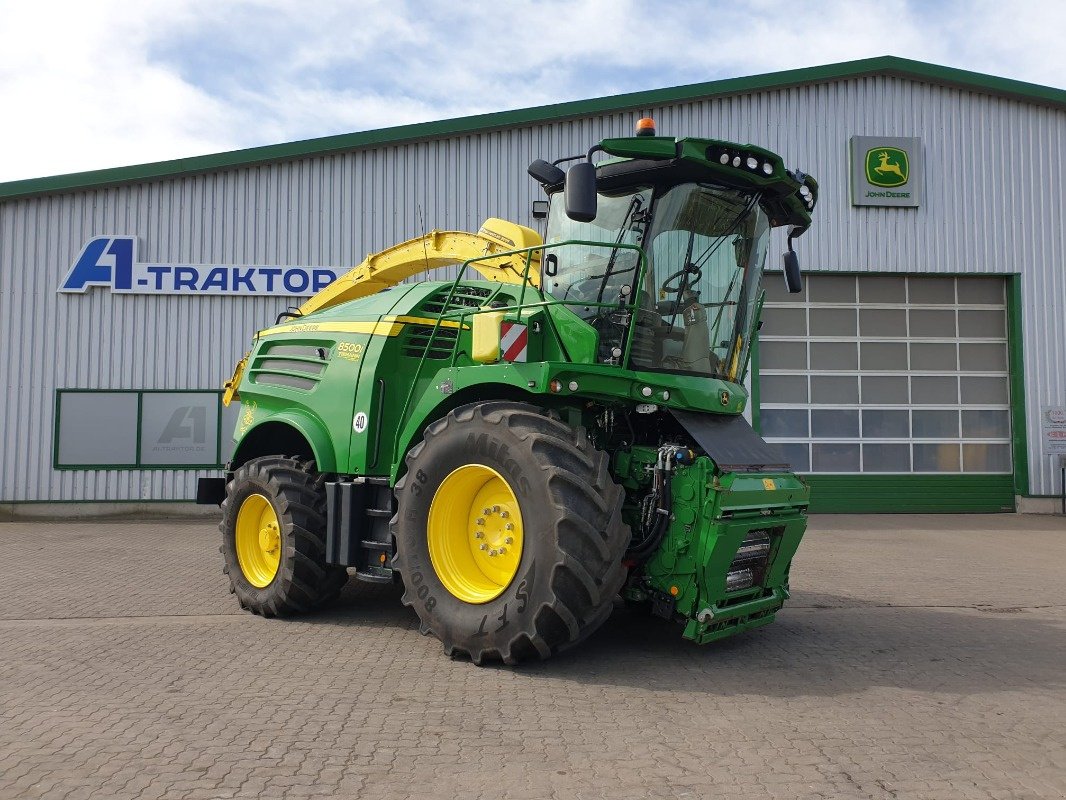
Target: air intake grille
[(465, 297), (294, 366), (417, 337)]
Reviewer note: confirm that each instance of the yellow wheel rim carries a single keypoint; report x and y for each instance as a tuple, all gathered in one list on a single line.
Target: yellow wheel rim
[(475, 533), (258, 540)]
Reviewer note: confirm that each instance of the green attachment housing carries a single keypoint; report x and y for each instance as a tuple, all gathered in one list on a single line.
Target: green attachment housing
[(723, 564)]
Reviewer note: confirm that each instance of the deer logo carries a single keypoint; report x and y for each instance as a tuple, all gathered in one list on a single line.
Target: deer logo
[(887, 166)]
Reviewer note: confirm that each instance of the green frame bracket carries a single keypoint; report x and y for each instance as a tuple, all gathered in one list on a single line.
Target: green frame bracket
[(1016, 365)]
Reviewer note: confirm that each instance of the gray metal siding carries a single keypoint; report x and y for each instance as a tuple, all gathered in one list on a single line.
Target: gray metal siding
[(993, 204)]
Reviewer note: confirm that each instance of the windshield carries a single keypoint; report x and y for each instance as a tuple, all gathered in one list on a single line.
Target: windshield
[(588, 274), (706, 253)]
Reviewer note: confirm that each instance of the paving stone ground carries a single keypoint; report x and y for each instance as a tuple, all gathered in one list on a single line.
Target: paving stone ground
[(921, 657)]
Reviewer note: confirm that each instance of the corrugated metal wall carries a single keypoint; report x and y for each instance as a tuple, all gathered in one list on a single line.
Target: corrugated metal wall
[(993, 204)]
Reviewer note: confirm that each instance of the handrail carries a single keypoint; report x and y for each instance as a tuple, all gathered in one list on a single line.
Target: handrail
[(642, 264)]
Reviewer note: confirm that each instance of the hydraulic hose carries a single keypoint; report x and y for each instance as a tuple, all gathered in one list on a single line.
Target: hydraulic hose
[(663, 501)]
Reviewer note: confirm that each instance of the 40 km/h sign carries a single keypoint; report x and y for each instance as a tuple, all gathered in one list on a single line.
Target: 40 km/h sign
[(111, 261)]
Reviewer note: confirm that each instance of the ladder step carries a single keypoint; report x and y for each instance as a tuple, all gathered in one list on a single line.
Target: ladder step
[(379, 512), (371, 479), (374, 575), (369, 545)]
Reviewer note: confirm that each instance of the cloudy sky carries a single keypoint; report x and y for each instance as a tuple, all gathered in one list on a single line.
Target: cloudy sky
[(104, 83)]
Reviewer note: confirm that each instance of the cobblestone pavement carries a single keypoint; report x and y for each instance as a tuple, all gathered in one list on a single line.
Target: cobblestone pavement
[(921, 657)]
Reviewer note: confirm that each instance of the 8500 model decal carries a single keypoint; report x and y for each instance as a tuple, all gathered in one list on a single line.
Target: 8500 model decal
[(111, 261)]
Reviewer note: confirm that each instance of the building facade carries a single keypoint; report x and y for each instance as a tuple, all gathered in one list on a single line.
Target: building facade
[(923, 367)]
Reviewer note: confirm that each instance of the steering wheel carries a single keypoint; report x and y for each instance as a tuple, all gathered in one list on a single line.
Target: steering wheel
[(678, 276)]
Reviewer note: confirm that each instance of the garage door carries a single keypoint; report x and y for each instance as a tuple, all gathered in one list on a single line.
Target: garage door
[(891, 392)]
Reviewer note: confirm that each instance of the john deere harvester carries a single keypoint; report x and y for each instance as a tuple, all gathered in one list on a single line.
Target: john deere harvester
[(559, 425)]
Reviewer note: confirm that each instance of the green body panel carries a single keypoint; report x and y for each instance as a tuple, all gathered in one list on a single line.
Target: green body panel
[(641, 146), (389, 376), (712, 514), (577, 336)]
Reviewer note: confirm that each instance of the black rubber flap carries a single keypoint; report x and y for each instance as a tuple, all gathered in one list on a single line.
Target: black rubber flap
[(731, 442)]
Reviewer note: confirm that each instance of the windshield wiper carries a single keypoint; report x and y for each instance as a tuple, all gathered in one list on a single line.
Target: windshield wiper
[(635, 206), (713, 247)]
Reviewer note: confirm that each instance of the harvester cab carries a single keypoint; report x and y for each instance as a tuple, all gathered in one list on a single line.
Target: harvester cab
[(558, 424)]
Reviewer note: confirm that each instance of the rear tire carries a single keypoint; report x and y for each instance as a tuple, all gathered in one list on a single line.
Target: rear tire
[(568, 526), (274, 537)]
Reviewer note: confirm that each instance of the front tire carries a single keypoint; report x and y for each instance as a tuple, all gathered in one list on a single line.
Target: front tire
[(514, 593), (274, 537)]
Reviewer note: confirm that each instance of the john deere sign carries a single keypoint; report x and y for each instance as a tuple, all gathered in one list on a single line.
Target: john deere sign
[(886, 171)]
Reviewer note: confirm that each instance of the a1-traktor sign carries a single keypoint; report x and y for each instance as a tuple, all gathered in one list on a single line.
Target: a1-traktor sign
[(111, 261), (886, 171)]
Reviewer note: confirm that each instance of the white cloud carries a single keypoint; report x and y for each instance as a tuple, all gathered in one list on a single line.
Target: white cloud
[(110, 83)]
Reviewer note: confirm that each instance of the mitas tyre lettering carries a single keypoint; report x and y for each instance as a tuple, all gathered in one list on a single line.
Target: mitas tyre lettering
[(482, 445), (567, 528)]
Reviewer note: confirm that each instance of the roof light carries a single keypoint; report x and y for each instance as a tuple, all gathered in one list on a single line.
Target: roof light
[(724, 158), (736, 161), (768, 168), (645, 126), (752, 162), (805, 191)]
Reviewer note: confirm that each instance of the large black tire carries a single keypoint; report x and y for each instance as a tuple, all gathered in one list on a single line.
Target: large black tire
[(296, 492), (571, 563)]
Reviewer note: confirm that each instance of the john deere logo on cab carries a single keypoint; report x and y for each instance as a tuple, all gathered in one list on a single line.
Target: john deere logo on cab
[(887, 166), (111, 261)]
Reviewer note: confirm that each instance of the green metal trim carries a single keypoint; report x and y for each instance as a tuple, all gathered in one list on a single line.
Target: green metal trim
[(218, 432), (55, 429), (140, 424), (891, 66), (756, 395), (889, 494), (1016, 362), (140, 409)]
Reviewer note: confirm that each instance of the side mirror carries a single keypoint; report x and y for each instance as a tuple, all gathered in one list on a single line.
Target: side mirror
[(545, 174), (580, 192), (793, 276)]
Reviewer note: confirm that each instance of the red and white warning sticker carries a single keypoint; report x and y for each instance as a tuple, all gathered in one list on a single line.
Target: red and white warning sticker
[(513, 341)]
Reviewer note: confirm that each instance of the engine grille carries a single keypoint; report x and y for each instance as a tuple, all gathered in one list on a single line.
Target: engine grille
[(419, 336), (294, 366), (465, 297)]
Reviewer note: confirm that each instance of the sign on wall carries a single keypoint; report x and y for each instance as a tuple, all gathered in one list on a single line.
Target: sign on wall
[(1053, 427), (886, 171), (134, 429), (111, 261)]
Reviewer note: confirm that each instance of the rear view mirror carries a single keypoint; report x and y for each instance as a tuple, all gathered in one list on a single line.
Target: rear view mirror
[(545, 174), (580, 192), (793, 276)]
